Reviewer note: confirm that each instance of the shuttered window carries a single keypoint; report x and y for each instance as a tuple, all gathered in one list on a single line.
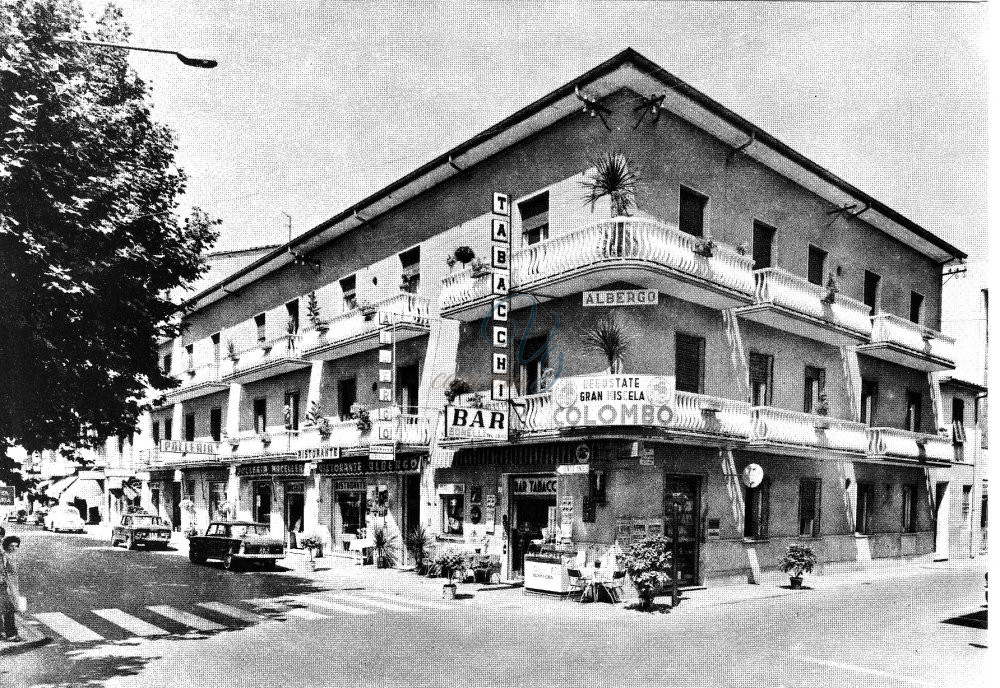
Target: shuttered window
[(757, 511), (817, 264), (692, 212), (810, 493), (761, 375), (910, 508), (535, 218), (689, 363), (815, 384)]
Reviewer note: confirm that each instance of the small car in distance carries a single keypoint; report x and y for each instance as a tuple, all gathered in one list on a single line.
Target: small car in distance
[(63, 518), (141, 529), (237, 543)]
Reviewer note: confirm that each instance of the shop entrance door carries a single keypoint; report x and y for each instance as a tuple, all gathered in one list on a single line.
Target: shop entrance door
[(295, 509), (688, 524), (175, 505), (262, 503), (411, 503), (530, 515)]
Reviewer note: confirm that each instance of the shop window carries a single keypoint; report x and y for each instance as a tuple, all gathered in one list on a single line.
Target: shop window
[(260, 415), (916, 307), (763, 240), (966, 501), (910, 508), (869, 401), (691, 216), (292, 310), (216, 347), (215, 424), (453, 507), (347, 395), (410, 262), (168, 363), (913, 404), (815, 385), (535, 218), (348, 286), (168, 429), (291, 410), (352, 512), (817, 264), (216, 498), (872, 283), (260, 321), (156, 432), (689, 363), (809, 506), (761, 375), (189, 427), (863, 509), (756, 511)]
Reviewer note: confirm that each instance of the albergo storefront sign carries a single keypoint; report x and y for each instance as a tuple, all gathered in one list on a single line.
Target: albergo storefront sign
[(266, 470), (364, 465)]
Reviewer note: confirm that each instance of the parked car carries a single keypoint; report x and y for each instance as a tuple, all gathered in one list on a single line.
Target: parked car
[(236, 543), (18, 516), (64, 518), (141, 529), (37, 517)]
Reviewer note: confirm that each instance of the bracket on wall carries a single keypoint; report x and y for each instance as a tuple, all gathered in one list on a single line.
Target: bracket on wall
[(299, 258), (742, 147), (846, 208), (653, 106), (453, 165), (592, 107), (867, 207)]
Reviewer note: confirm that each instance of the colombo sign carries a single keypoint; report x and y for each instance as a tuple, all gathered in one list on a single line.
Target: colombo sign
[(613, 400)]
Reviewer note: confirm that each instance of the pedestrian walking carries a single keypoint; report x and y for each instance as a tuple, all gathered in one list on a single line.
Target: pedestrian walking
[(10, 593)]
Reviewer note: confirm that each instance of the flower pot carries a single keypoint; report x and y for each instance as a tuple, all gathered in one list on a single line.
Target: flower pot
[(310, 565), (796, 582), (449, 591)]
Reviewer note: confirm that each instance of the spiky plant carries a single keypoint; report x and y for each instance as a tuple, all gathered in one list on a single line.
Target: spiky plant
[(612, 339), (614, 179)]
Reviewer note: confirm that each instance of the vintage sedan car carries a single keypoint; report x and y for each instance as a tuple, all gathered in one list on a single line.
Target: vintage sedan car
[(141, 529), (236, 543), (64, 518)]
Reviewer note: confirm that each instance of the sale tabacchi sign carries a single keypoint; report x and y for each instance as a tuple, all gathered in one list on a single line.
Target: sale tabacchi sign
[(613, 400)]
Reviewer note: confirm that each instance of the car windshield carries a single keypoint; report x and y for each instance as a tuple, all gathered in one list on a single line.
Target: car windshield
[(147, 521), (241, 530)]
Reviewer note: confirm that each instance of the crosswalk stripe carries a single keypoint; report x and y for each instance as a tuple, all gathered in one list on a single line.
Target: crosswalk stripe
[(326, 604), (195, 622), (405, 600), (373, 603), (70, 630), (132, 624), (284, 609), (234, 612)]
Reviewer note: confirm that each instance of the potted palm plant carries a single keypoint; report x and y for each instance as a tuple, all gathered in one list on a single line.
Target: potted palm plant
[(416, 542), (612, 339), (383, 548), (648, 563), (615, 180), (798, 559), (451, 564)]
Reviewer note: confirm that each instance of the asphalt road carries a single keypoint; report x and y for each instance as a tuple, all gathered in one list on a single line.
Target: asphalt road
[(361, 627)]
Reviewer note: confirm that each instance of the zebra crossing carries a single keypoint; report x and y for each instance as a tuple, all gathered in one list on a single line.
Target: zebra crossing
[(97, 625)]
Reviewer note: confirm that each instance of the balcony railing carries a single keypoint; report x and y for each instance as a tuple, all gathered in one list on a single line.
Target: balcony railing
[(464, 286), (778, 427), (896, 339), (274, 357), (902, 444), (407, 311), (196, 382)]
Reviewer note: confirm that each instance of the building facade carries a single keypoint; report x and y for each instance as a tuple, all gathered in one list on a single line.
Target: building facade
[(778, 383)]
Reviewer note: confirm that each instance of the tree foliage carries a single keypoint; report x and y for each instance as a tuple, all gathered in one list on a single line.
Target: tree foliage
[(648, 564), (90, 246)]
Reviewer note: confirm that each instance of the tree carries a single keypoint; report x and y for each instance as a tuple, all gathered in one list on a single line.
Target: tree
[(90, 247)]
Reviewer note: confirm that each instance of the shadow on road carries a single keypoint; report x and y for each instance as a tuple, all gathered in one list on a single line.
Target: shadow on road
[(973, 620)]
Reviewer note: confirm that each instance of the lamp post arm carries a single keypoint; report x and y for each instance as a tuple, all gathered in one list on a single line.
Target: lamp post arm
[(205, 63)]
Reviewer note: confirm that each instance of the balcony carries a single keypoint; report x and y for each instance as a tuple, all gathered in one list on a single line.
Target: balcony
[(909, 344), (793, 304), (358, 330), (275, 357), (248, 444), (784, 431), (196, 382), (890, 444), (634, 250), (161, 459)]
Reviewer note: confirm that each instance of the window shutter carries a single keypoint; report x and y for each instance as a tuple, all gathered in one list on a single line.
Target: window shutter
[(818, 506), (688, 362)]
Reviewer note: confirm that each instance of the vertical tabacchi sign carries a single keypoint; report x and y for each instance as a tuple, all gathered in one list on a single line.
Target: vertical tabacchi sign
[(500, 388)]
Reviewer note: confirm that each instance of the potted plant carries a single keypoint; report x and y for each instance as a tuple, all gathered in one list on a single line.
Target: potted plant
[(451, 564), (479, 268), (647, 563), (416, 542), (313, 313), (798, 559), (455, 388), (464, 255), (359, 412), (312, 544), (231, 351), (367, 309), (233, 441), (383, 548), (615, 179), (450, 260), (612, 339), (706, 248), (832, 288), (265, 438)]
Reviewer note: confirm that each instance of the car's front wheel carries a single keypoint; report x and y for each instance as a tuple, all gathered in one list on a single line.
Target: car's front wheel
[(129, 542), (229, 562)]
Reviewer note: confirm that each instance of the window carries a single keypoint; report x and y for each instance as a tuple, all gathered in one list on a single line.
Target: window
[(410, 261), (873, 282), (863, 509), (168, 429), (912, 421), (189, 356), (189, 490), (869, 401), (215, 424), (261, 322), (347, 395), (910, 508), (757, 510), (817, 264), (689, 363), (958, 420), (168, 362), (189, 427), (216, 347), (347, 286), (352, 511), (763, 239), (809, 503), (533, 357), (292, 309), (966, 501), (761, 375), (982, 506), (535, 218), (291, 410), (216, 498), (916, 307), (260, 415), (156, 432), (815, 385), (454, 513), (691, 218)]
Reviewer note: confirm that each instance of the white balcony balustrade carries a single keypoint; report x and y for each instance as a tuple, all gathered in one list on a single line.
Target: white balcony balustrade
[(910, 344), (788, 302), (465, 287), (274, 357), (279, 442), (775, 428), (196, 382), (894, 443), (714, 416), (357, 330)]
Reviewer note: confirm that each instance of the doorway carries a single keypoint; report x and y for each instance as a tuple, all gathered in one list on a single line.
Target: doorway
[(411, 502), (941, 508), (295, 504), (688, 523), (175, 505), (529, 514), (262, 503), (408, 380)]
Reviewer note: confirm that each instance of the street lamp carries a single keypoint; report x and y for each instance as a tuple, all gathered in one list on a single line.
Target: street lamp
[(203, 62)]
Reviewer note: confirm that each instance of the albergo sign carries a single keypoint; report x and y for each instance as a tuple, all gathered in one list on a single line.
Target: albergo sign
[(611, 400)]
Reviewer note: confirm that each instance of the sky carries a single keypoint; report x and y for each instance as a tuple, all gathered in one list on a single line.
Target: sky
[(315, 105)]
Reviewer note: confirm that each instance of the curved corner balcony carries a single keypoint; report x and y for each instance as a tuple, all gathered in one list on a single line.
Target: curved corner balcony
[(898, 340), (357, 330), (794, 304), (894, 444), (196, 382), (635, 250), (784, 431), (276, 357)]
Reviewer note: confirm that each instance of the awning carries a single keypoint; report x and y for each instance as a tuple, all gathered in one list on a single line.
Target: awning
[(54, 490), (129, 492), (87, 489)]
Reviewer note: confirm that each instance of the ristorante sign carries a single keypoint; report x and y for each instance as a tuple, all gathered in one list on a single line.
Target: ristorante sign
[(364, 465), (611, 400)]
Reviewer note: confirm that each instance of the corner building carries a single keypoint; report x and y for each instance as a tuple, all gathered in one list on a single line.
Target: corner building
[(787, 322)]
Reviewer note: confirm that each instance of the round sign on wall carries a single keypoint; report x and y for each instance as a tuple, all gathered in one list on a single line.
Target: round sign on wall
[(582, 453), (753, 474)]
